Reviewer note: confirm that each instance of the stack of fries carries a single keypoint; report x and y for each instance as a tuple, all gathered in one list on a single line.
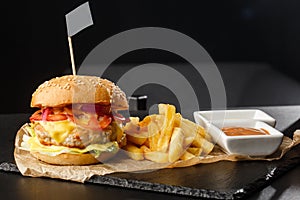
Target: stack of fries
[(166, 137)]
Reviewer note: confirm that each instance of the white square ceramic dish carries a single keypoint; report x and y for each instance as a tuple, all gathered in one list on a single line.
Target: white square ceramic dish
[(239, 114), (252, 145)]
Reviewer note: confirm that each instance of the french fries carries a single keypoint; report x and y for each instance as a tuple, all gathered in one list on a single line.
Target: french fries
[(134, 152), (176, 147), (168, 111), (166, 137)]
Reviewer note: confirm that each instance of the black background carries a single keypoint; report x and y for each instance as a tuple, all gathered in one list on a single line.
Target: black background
[(35, 46)]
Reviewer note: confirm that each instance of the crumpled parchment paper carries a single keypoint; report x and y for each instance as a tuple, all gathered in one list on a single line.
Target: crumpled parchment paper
[(30, 166)]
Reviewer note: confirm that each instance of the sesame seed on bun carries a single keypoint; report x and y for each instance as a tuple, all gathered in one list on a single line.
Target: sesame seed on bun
[(70, 89)]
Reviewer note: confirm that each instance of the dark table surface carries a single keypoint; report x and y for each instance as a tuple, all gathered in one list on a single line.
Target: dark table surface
[(15, 186)]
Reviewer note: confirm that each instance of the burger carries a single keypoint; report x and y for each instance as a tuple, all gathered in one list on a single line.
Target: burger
[(79, 120)]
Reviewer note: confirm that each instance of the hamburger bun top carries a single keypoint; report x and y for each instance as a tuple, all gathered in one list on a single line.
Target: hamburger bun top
[(71, 89)]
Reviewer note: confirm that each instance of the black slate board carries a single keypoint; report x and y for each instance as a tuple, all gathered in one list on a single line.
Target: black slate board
[(220, 180)]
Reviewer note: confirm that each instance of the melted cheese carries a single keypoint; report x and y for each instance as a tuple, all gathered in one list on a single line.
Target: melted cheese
[(33, 144), (58, 130)]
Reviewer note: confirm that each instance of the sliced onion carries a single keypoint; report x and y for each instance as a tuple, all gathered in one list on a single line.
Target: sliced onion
[(45, 113)]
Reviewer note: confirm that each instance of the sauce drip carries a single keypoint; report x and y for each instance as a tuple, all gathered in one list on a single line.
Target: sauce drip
[(239, 131)]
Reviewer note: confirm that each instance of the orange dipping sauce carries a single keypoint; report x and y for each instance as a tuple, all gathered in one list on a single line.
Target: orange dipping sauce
[(239, 131)]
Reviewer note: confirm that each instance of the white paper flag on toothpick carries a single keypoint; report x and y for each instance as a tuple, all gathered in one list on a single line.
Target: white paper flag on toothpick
[(78, 19)]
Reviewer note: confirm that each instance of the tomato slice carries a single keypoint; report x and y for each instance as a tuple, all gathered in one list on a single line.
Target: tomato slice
[(96, 108), (105, 121), (94, 121), (56, 117), (47, 114), (36, 116), (96, 124)]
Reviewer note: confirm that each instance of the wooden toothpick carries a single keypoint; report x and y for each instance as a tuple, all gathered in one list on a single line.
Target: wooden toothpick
[(72, 56)]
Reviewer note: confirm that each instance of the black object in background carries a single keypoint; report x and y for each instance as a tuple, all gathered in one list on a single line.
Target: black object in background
[(36, 49)]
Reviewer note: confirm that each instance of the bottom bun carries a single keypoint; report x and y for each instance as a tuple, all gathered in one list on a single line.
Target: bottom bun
[(72, 159)]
